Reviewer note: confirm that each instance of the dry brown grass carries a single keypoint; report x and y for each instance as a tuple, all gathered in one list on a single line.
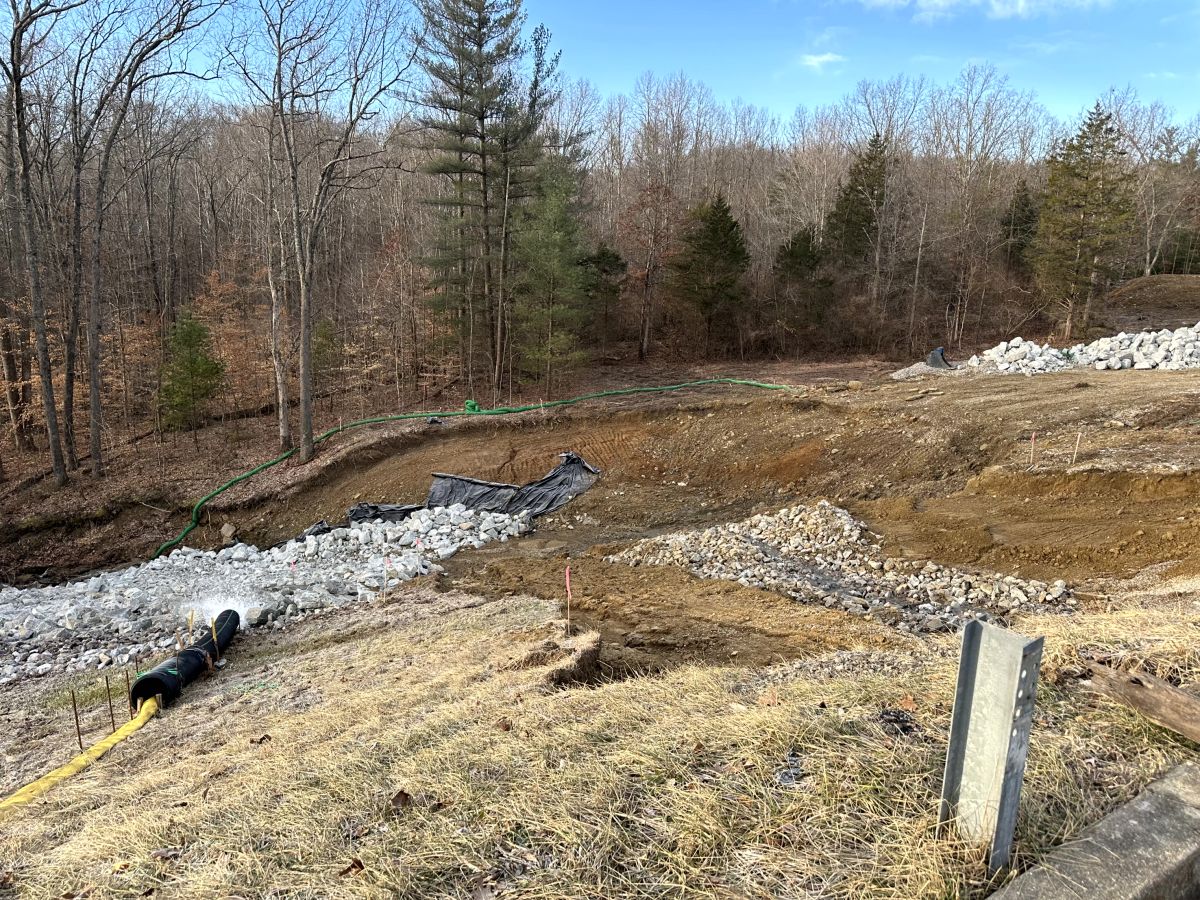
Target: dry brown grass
[(418, 750)]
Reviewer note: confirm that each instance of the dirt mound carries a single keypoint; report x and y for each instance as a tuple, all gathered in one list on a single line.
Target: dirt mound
[(1154, 301)]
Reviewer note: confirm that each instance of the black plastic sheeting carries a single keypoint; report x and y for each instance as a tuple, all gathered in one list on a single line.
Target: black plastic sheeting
[(168, 679), (388, 512), (937, 359), (564, 483), (560, 486)]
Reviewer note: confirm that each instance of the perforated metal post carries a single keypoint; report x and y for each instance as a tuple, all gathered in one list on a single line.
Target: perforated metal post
[(989, 737)]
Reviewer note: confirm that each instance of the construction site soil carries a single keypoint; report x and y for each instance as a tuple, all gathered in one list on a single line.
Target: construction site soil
[(1083, 477), (434, 740)]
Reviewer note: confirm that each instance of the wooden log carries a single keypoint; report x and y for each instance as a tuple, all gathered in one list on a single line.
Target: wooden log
[(1160, 702)]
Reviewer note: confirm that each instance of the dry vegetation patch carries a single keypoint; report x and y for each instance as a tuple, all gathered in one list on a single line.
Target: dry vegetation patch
[(418, 748)]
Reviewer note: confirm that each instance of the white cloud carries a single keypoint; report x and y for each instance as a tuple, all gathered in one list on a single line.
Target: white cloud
[(928, 10), (818, 61)]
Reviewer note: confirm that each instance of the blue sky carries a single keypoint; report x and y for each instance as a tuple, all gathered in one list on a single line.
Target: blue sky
[(783, 53)]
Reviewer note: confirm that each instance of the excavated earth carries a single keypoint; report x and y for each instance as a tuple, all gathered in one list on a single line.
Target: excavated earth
[(1080, 476)]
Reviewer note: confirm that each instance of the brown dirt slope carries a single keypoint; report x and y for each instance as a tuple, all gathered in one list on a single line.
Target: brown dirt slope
[(155, 480), (940, 467), (1154, 301)]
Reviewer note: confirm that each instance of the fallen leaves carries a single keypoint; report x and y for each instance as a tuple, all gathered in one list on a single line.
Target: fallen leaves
[(403, 800), (356, 866), (769, 697)]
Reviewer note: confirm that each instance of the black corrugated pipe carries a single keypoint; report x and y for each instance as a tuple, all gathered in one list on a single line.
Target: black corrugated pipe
[(168, 679)]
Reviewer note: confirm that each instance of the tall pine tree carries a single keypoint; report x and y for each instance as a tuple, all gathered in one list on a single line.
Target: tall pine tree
[(850, 228), (1083, 220), (191, 376), (707, 272), (485, 114), (1020, 228), (605, 273), (801, 295), (549, 280)]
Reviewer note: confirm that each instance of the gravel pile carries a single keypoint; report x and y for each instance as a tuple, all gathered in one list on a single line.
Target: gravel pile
[(822, 554), (924, 370), (1166, 349), (111, 618)]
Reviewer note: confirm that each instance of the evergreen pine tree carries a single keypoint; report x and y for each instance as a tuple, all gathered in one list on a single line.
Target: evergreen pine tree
[(850, 226), (485, 116), (1083, 219), (605, 270), (707, 272), (1020, 228), (802, 295), (549, 282), (798, 258), (191, 376)]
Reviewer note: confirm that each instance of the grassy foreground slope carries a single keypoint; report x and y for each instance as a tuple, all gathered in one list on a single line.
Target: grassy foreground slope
[(432, 745)]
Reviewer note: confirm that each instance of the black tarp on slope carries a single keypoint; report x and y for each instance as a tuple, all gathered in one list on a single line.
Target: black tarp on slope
[(560, 486), (388, 512)]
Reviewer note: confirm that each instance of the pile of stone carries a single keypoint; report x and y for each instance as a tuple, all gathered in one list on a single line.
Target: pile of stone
[(113, 618), (1166, 349), (822, 555)]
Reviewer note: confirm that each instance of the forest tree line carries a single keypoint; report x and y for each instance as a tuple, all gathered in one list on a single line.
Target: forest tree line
[(274, 201)]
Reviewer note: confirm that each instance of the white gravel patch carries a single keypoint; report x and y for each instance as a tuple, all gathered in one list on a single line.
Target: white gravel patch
[(822, 554), (110, 619)]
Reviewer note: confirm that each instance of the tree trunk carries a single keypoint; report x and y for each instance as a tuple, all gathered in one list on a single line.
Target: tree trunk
[(306, 375), (278, 334), (644, 335), (36, 298), (1092, 294), (75, 289), (95, 412)]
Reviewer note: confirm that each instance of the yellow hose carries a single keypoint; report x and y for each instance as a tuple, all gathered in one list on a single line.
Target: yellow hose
[(35, 789)]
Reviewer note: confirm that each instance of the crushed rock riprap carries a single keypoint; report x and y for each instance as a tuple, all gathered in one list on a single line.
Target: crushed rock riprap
[(1170, 350), (822, 554), (112, 618)]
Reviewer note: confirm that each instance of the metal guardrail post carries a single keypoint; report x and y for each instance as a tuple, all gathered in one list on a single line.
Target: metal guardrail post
[(989, 737)]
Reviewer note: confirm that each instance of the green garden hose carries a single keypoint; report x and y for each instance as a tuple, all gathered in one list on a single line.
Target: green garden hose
[(470, 408)]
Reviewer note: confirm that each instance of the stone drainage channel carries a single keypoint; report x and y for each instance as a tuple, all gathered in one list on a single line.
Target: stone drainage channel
[(113, 618), (821, 554), (815, 554)]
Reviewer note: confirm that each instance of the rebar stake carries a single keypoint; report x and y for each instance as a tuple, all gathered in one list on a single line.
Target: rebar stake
[(567, 575), (78, 730), (112, 716)]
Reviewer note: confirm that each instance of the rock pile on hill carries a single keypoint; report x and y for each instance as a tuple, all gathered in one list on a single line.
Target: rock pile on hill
[(822, 554), (111, 618), (1166, 349)]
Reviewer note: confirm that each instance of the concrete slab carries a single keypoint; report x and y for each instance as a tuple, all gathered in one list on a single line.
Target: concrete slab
[(1147, 849)]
